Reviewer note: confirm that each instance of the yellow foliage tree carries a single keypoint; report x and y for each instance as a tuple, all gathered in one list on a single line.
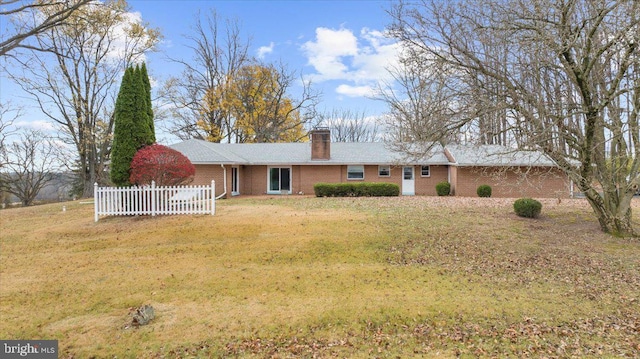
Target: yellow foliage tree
[(256, 101), (214, 115)]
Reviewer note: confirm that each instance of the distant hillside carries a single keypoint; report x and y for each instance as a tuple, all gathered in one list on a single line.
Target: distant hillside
[(57, 190)]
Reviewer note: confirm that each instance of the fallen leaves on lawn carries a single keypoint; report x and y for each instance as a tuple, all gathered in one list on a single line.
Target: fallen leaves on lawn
[(458, 336)]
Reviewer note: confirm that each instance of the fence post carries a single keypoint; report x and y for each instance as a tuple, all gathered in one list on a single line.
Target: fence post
[(213, 197), (153, 198), (96, 205)]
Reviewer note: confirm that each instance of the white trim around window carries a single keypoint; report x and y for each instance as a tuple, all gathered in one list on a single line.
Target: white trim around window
[(384, 171), (425, 171), (279, 180), (355, 173)]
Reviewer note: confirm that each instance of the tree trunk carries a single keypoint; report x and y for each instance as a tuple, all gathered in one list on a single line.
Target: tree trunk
[(87, 192), (613, 212)]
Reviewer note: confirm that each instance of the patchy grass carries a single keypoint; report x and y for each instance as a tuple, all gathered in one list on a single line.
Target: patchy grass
[(323, 277)]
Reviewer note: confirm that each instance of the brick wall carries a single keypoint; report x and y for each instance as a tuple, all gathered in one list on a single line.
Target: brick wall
[(253, 180), (515, 182), (538, 182), (426, 186), (310, 175), (206, 173)]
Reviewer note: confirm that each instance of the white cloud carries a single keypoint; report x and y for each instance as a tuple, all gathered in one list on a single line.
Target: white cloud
[(326, 54), (121, 41), (333, 43), (361, 60), (355, 91), (374, 60), (264, 50), (35, 125)]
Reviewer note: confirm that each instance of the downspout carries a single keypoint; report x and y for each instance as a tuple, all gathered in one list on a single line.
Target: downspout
[(451, 163), (571, 189), (224, 180)]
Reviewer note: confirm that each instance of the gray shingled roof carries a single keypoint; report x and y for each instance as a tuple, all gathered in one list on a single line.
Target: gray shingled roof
[(202, 152), (345, 153), (198, 151), (494, 155)]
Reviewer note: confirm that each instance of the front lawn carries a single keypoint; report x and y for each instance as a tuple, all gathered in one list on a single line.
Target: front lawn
[(326, 277)]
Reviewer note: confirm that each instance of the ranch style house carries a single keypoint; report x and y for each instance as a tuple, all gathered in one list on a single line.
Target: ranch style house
[(294, 168)]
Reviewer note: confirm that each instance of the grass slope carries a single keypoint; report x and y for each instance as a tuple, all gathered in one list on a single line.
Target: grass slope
[(304, 277)]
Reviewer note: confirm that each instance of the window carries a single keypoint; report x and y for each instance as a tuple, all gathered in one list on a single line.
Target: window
[(279, 180), (355, 172), (407, 173), (235, 182), (425, 171), (384, 171)]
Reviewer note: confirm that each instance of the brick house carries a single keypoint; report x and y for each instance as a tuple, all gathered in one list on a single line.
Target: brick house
[(293, 168), (510, 173)]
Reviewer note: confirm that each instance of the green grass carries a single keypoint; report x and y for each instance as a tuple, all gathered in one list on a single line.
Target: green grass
[(324, 277)]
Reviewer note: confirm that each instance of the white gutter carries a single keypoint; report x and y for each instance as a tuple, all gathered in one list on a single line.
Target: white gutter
[(224, 179)]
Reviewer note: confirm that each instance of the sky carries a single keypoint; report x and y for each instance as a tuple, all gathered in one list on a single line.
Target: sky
[(337, 44)]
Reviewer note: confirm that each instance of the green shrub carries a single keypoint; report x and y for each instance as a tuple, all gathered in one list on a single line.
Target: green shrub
[(484, 190), (384, 189), (356, 189), (443, 188), (527, 207), (322, 190)]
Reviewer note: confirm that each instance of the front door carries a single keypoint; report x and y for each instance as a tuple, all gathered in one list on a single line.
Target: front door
[(408, 181)]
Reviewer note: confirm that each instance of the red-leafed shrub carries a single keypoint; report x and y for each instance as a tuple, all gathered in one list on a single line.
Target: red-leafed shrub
[(162, 164)]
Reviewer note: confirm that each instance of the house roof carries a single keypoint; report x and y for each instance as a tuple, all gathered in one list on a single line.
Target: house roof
[(361, 153), (495, 155), (354, 153)]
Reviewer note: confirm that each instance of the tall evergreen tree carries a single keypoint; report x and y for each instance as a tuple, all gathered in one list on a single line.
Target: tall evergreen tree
[(122, 128), (147, 87), (131, 128), (144, 134)]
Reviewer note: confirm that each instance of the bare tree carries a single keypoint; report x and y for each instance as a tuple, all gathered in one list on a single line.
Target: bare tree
[(350, 126), (30, 164), (218, 54), (424, 106), (28, 19), (565, 75), (76, 89), (8, 115)]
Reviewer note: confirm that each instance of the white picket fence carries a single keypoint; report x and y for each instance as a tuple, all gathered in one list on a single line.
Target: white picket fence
[(152, 200)]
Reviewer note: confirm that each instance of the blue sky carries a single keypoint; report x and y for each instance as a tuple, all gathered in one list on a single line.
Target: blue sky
[(339, 45)]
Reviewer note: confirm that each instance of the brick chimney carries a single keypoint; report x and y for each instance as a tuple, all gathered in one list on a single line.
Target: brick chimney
[(321, 143)]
